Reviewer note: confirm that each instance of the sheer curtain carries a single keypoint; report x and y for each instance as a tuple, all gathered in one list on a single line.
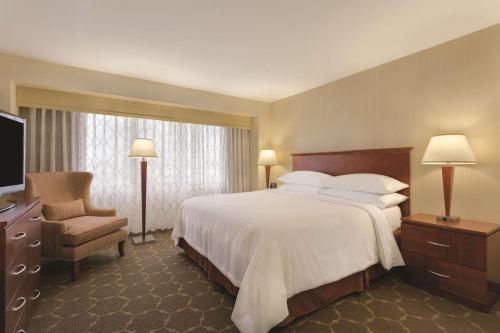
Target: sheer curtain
[(193, 160)]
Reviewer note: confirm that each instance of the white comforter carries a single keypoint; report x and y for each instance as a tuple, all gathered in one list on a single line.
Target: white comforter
[(275, 244)]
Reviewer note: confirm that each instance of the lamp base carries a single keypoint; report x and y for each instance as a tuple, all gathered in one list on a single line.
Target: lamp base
[(452, 219), (139, 240)]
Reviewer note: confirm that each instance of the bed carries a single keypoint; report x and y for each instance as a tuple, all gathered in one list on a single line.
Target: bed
[(284, 255)]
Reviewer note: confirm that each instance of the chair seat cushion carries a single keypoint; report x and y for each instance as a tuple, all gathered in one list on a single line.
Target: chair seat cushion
[(85, 228)]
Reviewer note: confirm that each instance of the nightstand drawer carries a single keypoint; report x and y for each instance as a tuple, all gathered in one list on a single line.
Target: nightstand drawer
[(459, 248), (463, 281), (435, 274)]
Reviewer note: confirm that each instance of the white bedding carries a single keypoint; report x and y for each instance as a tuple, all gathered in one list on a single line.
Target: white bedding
[(274, 244), (393, 215)]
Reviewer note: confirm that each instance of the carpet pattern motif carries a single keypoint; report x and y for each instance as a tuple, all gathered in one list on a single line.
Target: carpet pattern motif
[(156, 288)]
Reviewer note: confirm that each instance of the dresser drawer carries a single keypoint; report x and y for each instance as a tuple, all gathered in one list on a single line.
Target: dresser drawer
[(20, 232), (459, 248), (16, 311), (16, 239), (16, 274)]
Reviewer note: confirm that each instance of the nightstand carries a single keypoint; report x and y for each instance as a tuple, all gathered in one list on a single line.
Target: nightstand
[(460, 261)]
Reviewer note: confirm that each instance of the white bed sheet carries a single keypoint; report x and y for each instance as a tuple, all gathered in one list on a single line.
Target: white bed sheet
[(275, 244), (393, 215)]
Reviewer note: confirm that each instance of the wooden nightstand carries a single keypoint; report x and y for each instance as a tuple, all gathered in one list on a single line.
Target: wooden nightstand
[(460, 261)]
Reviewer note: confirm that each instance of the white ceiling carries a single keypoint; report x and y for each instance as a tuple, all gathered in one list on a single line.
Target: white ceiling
[(259, 49)]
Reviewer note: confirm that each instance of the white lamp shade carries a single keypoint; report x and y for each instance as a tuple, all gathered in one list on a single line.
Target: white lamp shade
[(143, 148), (267, 157), (449, 149)]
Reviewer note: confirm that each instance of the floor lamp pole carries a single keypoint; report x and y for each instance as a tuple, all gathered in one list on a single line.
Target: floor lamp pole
[(143, 239), (144, 181)]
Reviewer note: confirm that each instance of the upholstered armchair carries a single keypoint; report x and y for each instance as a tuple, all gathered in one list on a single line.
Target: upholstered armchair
[(87, 229)]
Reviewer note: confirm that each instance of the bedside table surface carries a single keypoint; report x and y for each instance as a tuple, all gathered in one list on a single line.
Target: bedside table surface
[(465, 226)]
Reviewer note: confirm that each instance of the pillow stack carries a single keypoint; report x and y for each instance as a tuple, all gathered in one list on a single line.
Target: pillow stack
[(370, 188)]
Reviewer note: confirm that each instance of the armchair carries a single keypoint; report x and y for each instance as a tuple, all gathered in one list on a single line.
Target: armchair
[(74, 238)]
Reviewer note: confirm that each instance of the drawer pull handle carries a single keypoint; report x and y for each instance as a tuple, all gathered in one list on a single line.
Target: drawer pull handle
[(19, 307), (36, 269), (36, 219), (36, 243), (21, 331), (19, 236), (36, 294), (439, 274), (19, 269), (438, 244)]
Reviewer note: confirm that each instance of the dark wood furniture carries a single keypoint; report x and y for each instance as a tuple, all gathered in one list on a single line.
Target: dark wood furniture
[(460, 261), (20, 241), (393, 162)]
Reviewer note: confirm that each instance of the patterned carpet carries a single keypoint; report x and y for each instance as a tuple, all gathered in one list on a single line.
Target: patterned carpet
[(156, 288)]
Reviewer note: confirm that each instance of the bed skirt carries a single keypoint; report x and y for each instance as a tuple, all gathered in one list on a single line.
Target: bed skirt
[(302, 303)]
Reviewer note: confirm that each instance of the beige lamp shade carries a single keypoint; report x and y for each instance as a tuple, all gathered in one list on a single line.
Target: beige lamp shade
[(267, 157), (143, 148), (449, 149)]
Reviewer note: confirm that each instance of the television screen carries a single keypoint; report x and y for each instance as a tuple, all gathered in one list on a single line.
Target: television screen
[(12, 139)]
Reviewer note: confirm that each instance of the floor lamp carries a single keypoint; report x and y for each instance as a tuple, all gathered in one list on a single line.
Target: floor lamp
[(448, 150), (142, 148)]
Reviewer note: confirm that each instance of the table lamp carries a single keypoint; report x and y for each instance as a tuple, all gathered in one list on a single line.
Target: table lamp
[(448, 150), (143, 148), (267, 158)]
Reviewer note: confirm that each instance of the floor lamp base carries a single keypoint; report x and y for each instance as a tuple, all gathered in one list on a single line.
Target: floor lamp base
[(139, 240)]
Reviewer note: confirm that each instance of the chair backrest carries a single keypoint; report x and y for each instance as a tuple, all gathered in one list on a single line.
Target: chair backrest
[(58, 187)]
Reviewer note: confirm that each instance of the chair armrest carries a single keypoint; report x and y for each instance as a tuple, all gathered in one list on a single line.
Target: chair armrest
[(101, 212), (52, 238)]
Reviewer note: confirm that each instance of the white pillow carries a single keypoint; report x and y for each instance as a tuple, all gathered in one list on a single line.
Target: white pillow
[(380, 200), (366, 182), (312, 178), (299, 188)]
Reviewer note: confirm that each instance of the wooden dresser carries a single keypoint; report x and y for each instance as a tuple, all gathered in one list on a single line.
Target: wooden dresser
[(460, 261), (20, 242)]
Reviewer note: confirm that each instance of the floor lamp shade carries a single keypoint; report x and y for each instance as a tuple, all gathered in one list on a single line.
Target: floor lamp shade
[(267, 157), (448, 150), (143, 148)]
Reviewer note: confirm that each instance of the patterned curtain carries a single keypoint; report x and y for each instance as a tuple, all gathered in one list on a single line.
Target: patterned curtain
[(193, 160)]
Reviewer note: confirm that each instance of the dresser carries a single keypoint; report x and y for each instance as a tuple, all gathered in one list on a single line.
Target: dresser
[(460, 261), (20, 241)]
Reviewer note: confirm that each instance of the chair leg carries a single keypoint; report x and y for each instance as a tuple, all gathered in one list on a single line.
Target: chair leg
[(121, 248), (75, 271)]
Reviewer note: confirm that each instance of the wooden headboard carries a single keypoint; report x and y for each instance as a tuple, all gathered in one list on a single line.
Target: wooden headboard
[(392, 162)]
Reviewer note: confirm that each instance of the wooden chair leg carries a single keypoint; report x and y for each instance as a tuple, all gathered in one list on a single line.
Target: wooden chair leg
[(75, 271), (121, 248)]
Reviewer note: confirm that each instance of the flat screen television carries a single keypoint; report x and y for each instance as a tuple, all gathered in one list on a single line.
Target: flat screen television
[(13, 165)]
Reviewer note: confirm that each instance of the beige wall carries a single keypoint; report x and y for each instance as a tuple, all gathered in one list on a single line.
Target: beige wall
[(453, 87), (16, 70)]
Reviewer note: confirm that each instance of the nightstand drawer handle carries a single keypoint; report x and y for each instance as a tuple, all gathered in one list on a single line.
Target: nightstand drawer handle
[(36, 219), (36, 243), (19, 236), (36, 269), (19, 269), (23, 302), (438, 244), (439, 274), (36, 294), (21, 331)]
